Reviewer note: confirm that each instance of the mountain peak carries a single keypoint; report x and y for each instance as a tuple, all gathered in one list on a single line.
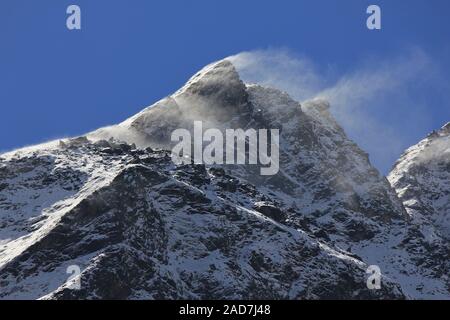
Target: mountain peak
[(218, 81), (445, 130)]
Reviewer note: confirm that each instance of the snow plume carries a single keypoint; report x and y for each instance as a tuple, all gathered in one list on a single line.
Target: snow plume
[(434, 148), (282, 70), (118, 133), (440, 149), (378, 101)]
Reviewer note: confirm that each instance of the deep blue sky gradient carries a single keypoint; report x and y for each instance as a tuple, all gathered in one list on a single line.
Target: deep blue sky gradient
[(129, 54)]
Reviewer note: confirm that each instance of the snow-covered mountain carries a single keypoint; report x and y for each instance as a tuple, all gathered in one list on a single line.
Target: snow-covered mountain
[(422, 180), (138, 226)]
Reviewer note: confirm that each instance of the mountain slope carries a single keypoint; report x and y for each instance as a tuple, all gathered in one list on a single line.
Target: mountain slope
[(160, 231)]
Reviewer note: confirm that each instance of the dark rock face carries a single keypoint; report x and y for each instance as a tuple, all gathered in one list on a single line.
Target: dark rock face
[(220, 84), (269, 210), (139, 227)]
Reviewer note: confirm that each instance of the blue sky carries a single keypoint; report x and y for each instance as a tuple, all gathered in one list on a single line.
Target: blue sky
[(129, 54)]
